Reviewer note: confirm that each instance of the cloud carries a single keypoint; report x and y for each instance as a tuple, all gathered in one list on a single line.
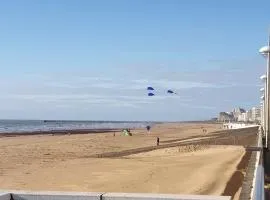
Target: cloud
[(74, 82), (49, 96), (90, 98), (76, 91), (204, 107), (105, 85), (163, 83), (125, 84), (205, 91), (71, 101)]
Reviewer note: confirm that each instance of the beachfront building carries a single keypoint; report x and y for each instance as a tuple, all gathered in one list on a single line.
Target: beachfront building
[(237, 112), (249, 116), (243, 117), (255, 114), (252, 115), (225, 117)]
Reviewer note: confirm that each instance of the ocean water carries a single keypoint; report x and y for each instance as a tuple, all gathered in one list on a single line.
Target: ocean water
[(10, 126)]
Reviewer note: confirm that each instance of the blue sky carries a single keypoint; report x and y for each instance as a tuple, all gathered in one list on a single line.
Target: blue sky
[(92, 60)]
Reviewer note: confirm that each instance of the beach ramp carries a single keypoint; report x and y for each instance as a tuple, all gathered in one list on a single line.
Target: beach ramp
[(23, 195)]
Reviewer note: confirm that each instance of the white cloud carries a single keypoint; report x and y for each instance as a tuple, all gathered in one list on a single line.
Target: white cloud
[(205, 107), (75, 100), (121, 83), (83, 91), (163, 83), (106, 85), (48, 96)]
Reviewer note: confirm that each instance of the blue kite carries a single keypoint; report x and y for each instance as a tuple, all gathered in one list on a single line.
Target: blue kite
[(150, 88)]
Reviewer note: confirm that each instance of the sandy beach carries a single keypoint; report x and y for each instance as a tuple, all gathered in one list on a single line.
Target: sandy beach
[(187, 161)]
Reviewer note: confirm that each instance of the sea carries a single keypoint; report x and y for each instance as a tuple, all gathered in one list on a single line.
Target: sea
[(20, 126)]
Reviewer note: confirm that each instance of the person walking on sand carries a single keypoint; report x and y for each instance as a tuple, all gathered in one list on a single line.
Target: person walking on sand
[(148, 128), (157, 141)]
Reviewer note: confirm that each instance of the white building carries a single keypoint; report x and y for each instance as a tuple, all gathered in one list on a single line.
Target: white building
[(237, 112), (255, 114), (240, 115), (243, 117)]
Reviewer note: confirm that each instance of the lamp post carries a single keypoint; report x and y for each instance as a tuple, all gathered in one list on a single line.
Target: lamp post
[(265, 116), (262, 110), (262, 116), (262, 90), (265, 51)]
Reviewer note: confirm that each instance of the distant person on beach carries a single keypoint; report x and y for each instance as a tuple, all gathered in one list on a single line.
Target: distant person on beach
[(148, 128), (157, 141), (204, 130)]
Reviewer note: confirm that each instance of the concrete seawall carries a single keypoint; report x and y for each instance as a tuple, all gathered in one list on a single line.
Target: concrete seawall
[(238, 125), (25, 195), (4, 196), (253, 184)]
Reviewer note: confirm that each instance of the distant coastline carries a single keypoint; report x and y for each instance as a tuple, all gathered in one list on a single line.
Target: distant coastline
[(62, 127), (58, 132), (30, 127)]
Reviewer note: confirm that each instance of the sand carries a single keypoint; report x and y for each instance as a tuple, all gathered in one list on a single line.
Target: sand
[(64, 162)]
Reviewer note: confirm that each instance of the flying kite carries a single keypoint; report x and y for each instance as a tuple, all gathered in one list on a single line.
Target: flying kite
[(150, 88), (170, 92)]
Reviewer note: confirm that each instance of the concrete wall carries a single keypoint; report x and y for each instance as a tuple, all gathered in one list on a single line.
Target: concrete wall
[(4, 196), (23, 195), (138, 196), (257, 192), (238, 125)]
